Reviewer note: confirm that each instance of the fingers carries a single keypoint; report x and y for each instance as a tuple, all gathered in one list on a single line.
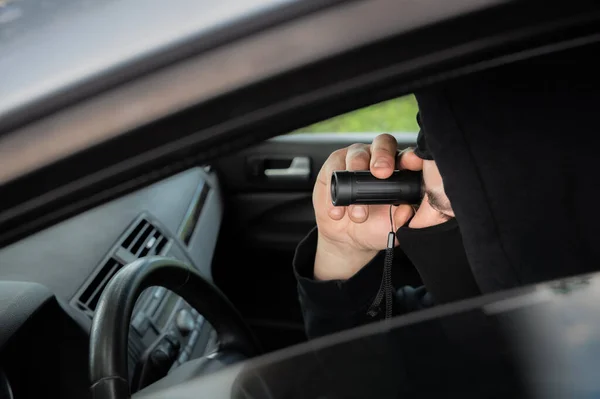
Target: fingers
[(402, 214), (336, 161), (358, 158), (383, 155), (380, 159), (409, 160)]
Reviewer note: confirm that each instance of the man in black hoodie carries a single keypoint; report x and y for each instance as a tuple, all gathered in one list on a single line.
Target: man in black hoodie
[(509, 174), (340, 264)]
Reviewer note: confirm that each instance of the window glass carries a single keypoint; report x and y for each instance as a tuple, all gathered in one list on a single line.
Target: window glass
[(392, 116)]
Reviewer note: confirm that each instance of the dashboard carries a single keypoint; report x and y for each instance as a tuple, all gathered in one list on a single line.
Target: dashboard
[(53, 280)]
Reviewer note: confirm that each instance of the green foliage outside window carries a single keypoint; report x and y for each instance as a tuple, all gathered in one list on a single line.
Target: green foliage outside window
[(397, 115)]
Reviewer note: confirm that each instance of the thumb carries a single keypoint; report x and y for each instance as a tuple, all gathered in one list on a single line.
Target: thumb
[(402, 214)]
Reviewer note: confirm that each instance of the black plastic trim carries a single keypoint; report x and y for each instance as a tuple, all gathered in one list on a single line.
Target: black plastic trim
[(192, 216), (232, 122)]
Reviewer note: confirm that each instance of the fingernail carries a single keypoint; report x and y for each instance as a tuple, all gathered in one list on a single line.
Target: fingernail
[(359, 212), (381, 163)]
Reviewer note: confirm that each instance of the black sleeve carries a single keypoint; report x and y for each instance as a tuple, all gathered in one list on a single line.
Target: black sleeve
[(335, 305)]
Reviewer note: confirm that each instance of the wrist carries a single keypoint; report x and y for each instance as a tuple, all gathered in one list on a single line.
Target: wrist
[(339, 261)]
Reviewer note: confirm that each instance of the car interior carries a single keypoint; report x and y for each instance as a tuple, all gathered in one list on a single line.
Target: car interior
[(235, 220), (267, 216)]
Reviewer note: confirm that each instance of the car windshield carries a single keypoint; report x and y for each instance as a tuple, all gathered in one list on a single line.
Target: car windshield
[(51, 45)]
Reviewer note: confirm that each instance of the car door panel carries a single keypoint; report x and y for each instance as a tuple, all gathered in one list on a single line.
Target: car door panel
[(265, 219)]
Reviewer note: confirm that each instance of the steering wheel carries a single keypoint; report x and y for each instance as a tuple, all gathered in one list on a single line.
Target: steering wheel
[(110, 326)]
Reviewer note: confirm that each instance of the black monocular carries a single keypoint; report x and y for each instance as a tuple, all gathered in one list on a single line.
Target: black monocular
[(361, 187)]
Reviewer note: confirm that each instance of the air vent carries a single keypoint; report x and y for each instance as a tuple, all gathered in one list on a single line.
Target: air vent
[(88, 300), (144, 240)]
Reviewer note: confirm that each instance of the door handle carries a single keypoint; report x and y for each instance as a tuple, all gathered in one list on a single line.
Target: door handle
[(299, 169)]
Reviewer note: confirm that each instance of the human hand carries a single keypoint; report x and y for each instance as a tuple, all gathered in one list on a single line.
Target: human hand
[(349, 237)]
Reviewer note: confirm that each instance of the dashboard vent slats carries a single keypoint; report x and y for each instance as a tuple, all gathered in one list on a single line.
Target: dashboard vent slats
[(131, 237), (140, 239), (144, 240), (90, 296), (160, 244)]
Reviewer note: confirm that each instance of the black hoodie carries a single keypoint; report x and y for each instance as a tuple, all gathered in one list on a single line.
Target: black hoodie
[(517, 150)]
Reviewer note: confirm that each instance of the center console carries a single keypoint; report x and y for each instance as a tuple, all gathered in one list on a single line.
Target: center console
[(165, 331)]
